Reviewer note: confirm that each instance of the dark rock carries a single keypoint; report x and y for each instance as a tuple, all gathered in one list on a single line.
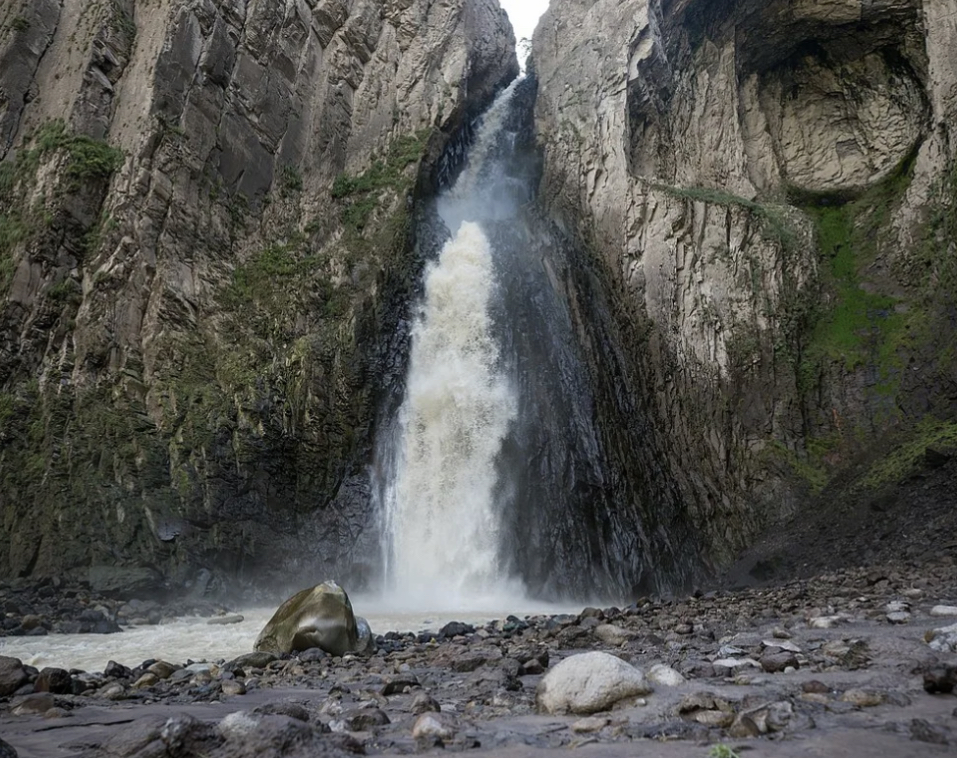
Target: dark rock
[(12, 675), (116, 670), (815, 687), (365, 719), (285, 708), (57, 681), (940, 679), (399, 684), (313, 654), (455, 629), (774, 663), (7, 750)]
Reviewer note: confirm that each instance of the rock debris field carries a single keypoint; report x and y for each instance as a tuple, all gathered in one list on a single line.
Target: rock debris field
[(855, 662)]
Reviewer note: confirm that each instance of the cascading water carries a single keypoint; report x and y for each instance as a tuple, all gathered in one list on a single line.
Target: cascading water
[(442, 521), (517, 463)]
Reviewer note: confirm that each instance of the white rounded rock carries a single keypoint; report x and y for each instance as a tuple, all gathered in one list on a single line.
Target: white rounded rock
[(665, 676), (588, 683)]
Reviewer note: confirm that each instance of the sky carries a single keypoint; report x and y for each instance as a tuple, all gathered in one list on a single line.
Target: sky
[(524, 15)]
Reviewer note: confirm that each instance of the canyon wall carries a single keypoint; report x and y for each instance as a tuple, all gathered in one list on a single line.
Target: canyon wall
[(206, 257), (768, 190)]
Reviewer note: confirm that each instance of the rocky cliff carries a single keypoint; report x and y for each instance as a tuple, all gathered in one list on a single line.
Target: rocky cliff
[(768, 189), (205, 257)]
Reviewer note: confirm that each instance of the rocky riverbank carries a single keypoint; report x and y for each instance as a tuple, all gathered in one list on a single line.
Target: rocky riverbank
[(848, 663)]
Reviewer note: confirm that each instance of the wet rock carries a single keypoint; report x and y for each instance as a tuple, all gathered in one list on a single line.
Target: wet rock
[(434, 726), (312, 655), (589, 683), (320, 616), (12, 675), (57, 681)]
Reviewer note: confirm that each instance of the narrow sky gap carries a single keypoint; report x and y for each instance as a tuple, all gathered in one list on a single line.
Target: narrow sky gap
[(524, 15)]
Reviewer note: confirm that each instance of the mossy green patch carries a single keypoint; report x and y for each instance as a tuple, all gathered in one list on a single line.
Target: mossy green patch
[(907, 456)]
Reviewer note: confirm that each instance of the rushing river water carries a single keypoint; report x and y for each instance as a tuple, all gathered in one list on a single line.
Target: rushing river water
[(193, 638)]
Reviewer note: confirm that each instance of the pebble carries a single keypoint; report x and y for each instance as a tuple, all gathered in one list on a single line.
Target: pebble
[(665, 676), (944, 610)]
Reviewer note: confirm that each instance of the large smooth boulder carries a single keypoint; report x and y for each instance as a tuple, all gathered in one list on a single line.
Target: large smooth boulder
[(317, 617), (589, 683)]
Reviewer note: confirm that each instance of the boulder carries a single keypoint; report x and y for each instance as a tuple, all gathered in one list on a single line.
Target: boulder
[(12, 675), (317, 617), (57, 681), (588, 683)]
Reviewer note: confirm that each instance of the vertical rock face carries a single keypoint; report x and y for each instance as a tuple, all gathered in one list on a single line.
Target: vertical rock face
[(205, 250), (769, 188)]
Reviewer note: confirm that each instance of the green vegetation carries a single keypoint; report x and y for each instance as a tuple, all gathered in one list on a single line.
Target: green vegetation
[(387, 173), (722, 751), (20, 24), (906, 457), (775, 223), (290, 181)]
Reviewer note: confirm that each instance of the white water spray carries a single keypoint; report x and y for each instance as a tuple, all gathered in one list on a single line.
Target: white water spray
[(442, 523)]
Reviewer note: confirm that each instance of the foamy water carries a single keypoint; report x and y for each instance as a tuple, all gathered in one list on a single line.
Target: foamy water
[(192, 638)]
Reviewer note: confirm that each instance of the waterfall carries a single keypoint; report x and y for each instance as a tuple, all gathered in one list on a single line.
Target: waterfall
[(442, 520)]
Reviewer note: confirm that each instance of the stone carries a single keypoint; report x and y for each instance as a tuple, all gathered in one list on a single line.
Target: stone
[(944, 610), (943, 640), (774, 663), (824, 622), (455, 629), (57, 681), (588, 683), (365, 719), (399, 684), (863, 698), (922, 730), (7, 750), (781, 644), (424, 702), (148, 679), (233, 687), (116, 670), (898, 617), (612, 635), (940, 679), (257, 660), (320, 616), (162, 669), (665, 676), (12, 675), (732, 666), (434, 726)]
